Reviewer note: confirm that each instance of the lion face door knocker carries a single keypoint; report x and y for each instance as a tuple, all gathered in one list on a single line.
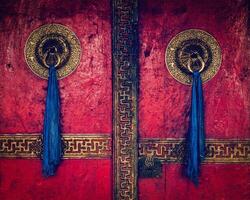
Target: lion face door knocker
[(52, 52), (194, 57)]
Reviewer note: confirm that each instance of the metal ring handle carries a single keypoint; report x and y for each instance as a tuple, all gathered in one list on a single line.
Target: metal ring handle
[(202, 64), (57, 56)]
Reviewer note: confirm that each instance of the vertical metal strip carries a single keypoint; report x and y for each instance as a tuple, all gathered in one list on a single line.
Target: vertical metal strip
[(125, 94)]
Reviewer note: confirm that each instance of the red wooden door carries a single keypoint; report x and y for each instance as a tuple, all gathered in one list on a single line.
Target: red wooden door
[(86, 98), (86, 102), (164, 103)]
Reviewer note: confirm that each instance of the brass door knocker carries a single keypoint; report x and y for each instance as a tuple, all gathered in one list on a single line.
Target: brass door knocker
[(193, 50), (52, 52), (51, 57), (52, 42), (195, 59)]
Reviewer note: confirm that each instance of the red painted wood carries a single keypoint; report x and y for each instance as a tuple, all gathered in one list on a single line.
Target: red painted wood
[(164, 102), (86, 97), (218, 182), (75, 179)]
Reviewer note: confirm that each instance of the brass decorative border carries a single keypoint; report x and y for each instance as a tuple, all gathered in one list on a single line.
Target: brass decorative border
[(81, 146), (175, 43), (75, 146), (218, 150), (125, 93), (20, 145), (35, 37)]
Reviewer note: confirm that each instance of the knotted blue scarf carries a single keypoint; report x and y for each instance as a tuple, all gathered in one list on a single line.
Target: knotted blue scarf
[(196, 135), (52, 146)]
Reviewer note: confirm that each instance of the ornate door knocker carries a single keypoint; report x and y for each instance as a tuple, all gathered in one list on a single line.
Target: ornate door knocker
[(52, 52), (49, 38), (193, 50), (195, 60), (52, 57), (193, 57)]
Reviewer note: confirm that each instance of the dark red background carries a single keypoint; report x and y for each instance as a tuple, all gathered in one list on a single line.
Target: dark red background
[(86, 97), (164, 102)]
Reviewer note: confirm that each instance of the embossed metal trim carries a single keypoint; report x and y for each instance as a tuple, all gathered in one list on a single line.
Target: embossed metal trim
[(87, 146), (125, 92), (207, 44), (70, 51), (99, 146), (20, 145), (76, 146), (218, 150)]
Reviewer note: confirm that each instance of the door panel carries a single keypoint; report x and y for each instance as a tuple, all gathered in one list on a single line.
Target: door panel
[(86, 101), (75, 179), (86, 98), (164, 103)]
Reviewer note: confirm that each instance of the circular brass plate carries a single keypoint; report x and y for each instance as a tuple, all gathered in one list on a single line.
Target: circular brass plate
[(180, 51), (59, 36)]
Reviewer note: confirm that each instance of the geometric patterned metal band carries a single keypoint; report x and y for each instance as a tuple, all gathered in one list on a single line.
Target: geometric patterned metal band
[(20, 145), (75, 146), (84, 146), (218, 150), (87, 146), (125, 68)]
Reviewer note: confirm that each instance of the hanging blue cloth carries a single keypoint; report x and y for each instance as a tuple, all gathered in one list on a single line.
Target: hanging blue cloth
[(196, 135), (52, 144)]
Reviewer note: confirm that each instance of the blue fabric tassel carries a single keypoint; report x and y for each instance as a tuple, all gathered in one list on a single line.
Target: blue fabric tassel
[(196, 135), (52, 144)]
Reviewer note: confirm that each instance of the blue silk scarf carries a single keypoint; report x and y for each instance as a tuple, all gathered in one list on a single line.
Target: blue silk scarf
[(52, 144), (196, 135)]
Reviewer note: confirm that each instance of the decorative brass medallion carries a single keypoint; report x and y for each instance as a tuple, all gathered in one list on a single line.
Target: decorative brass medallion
[(57, 39), (193, 50)]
